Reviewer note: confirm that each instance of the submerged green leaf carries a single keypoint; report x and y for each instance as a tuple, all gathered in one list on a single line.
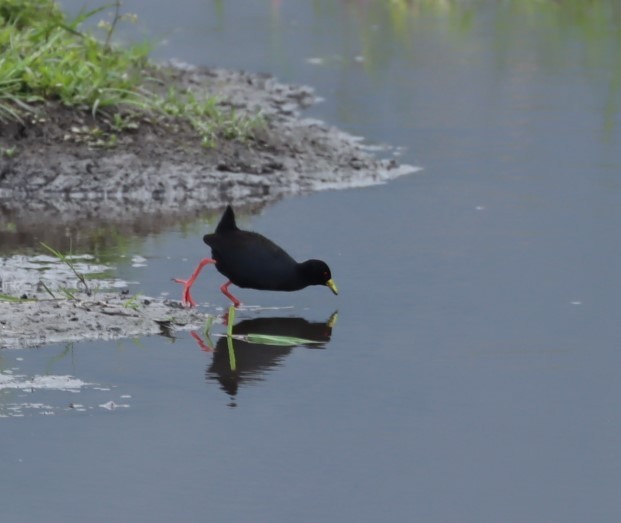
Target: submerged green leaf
[(231, 320), (272, 339), (207, 327)]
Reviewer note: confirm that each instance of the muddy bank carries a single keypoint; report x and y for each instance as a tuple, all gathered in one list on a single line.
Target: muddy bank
[(53, 175), (103, 316), (58, 306)]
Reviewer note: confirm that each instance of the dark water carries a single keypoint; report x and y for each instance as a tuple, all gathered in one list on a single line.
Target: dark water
[(472, 372)]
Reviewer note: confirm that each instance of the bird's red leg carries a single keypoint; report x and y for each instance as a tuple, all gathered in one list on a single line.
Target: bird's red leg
[(225, 291), (204, 347), (187, 284)]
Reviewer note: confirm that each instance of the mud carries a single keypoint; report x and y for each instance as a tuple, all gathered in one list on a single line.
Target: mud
[(55, 305), (51, 175), (54, 185), (103, 316)]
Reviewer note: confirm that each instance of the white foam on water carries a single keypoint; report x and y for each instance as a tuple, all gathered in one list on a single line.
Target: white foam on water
[(16, 388), (62, 383), (372, 178), (111, 405), (139, 261)]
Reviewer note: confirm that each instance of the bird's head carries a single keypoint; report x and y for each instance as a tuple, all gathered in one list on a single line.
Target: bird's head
[(317, 272)]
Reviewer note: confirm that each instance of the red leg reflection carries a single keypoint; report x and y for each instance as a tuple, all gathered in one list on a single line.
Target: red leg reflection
[(201, 343)]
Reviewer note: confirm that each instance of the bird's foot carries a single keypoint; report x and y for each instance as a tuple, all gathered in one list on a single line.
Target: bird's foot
[(187, 284), (186, 298), (225, 291)]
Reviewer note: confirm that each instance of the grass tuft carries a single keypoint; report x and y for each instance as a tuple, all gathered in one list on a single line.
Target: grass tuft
[(67, 261), (47, 59)]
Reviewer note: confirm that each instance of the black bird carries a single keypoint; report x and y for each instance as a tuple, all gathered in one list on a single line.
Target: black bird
[(250, 260)]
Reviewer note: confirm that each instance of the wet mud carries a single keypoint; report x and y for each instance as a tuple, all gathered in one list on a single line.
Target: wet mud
[(52, 175), (46, 300)]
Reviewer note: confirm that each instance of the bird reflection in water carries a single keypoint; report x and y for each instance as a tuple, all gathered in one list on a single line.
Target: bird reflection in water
[(238, 361)]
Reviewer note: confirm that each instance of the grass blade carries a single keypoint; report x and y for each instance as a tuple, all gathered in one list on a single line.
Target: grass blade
[(281, 341)]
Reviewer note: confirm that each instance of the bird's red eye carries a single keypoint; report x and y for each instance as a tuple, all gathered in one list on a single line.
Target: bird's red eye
[(325, 274)]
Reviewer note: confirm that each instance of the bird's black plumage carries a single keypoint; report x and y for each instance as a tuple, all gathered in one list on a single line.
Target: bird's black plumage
[(253, 261), (250, 260)]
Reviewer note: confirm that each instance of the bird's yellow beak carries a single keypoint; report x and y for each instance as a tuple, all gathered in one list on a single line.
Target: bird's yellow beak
[(330, 283)]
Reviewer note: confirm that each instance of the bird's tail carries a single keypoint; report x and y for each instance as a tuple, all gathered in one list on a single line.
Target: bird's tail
[(227, 222)]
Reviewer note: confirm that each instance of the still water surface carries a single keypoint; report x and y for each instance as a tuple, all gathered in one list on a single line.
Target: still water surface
[(472, 372)]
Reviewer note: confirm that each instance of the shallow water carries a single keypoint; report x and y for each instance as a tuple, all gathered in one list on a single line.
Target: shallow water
[(471, 374)]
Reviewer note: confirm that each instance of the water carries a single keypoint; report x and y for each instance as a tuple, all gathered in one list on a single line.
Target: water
[(471, 374)]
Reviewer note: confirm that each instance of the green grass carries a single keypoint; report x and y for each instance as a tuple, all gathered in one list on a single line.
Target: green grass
[(46, 59), (67, 261)]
